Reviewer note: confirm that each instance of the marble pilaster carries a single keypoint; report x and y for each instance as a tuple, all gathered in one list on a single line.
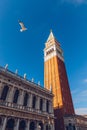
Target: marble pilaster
[(30, 101), (16, 127), (10, 95), (1, 88), (38, 103), (27, 125), (4, 123), (21, 97), (44, 105)]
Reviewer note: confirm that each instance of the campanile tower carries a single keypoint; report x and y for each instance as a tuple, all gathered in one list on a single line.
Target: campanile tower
[(55, 78)]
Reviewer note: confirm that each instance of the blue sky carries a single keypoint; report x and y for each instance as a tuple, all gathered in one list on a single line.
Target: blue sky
[(24, 51)]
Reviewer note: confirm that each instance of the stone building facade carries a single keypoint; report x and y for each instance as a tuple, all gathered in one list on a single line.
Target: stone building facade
[(24, 105), (75, 122)]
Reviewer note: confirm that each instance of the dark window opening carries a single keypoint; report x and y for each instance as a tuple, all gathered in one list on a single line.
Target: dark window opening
[(41, 104), (15, 99), (10, 124), (50, 51), (74, 128), (0, 121), (47, 127), (66, 127), (25, 99), (32, 126), (47, 106), (22, 125), (34, 102), (41, 126), (4, 93)]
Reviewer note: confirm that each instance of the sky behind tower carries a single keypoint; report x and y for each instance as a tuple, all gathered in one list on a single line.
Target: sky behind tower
[(24, 51)]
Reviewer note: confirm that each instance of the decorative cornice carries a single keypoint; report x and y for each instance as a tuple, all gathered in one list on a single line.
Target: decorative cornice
[(28, 84)]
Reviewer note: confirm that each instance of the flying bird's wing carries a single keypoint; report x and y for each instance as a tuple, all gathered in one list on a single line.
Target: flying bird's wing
[(21, 24), (23, 28)]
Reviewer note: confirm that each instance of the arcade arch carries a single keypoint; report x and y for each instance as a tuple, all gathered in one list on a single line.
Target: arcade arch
[(10, 124), (32, 125)]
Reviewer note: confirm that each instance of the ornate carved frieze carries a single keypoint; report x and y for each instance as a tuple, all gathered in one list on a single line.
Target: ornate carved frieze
[(18, 114)]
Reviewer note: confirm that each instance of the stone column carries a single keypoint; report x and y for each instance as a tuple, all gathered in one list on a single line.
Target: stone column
[(37, 126), (21, 97), (1, 88), (11, 94), (76, 128), (16, 125), (27, 125), (30, 101), (53, 126), (50, 107), (52, 111), (38, 103), (44, 126), (4, 123), (44, 105)]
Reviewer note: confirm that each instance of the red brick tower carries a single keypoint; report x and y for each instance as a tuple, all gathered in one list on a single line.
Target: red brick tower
[(55, 75)]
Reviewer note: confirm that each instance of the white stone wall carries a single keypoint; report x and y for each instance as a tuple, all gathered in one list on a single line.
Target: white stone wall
[(6, 106)]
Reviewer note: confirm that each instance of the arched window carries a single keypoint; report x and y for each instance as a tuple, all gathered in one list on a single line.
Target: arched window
[(32, 126), (25, 99), (70, 127), (40, 126), (10, 124), (22, 125), (47, 106), (15, 99), (74, 128), (41, 104), (47, 127), (4, 93), (34, 102), (66, 127)]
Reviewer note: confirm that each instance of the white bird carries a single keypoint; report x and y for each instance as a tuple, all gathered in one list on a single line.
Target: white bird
[(23, 28)]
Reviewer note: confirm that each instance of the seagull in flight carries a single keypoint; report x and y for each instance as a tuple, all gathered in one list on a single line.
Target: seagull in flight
[(23, 28)]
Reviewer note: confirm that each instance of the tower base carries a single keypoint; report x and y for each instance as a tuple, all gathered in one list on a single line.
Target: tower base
[(59, 119)]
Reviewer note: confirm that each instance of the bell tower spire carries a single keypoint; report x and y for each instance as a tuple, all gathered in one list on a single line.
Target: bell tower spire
[(50, 36)]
